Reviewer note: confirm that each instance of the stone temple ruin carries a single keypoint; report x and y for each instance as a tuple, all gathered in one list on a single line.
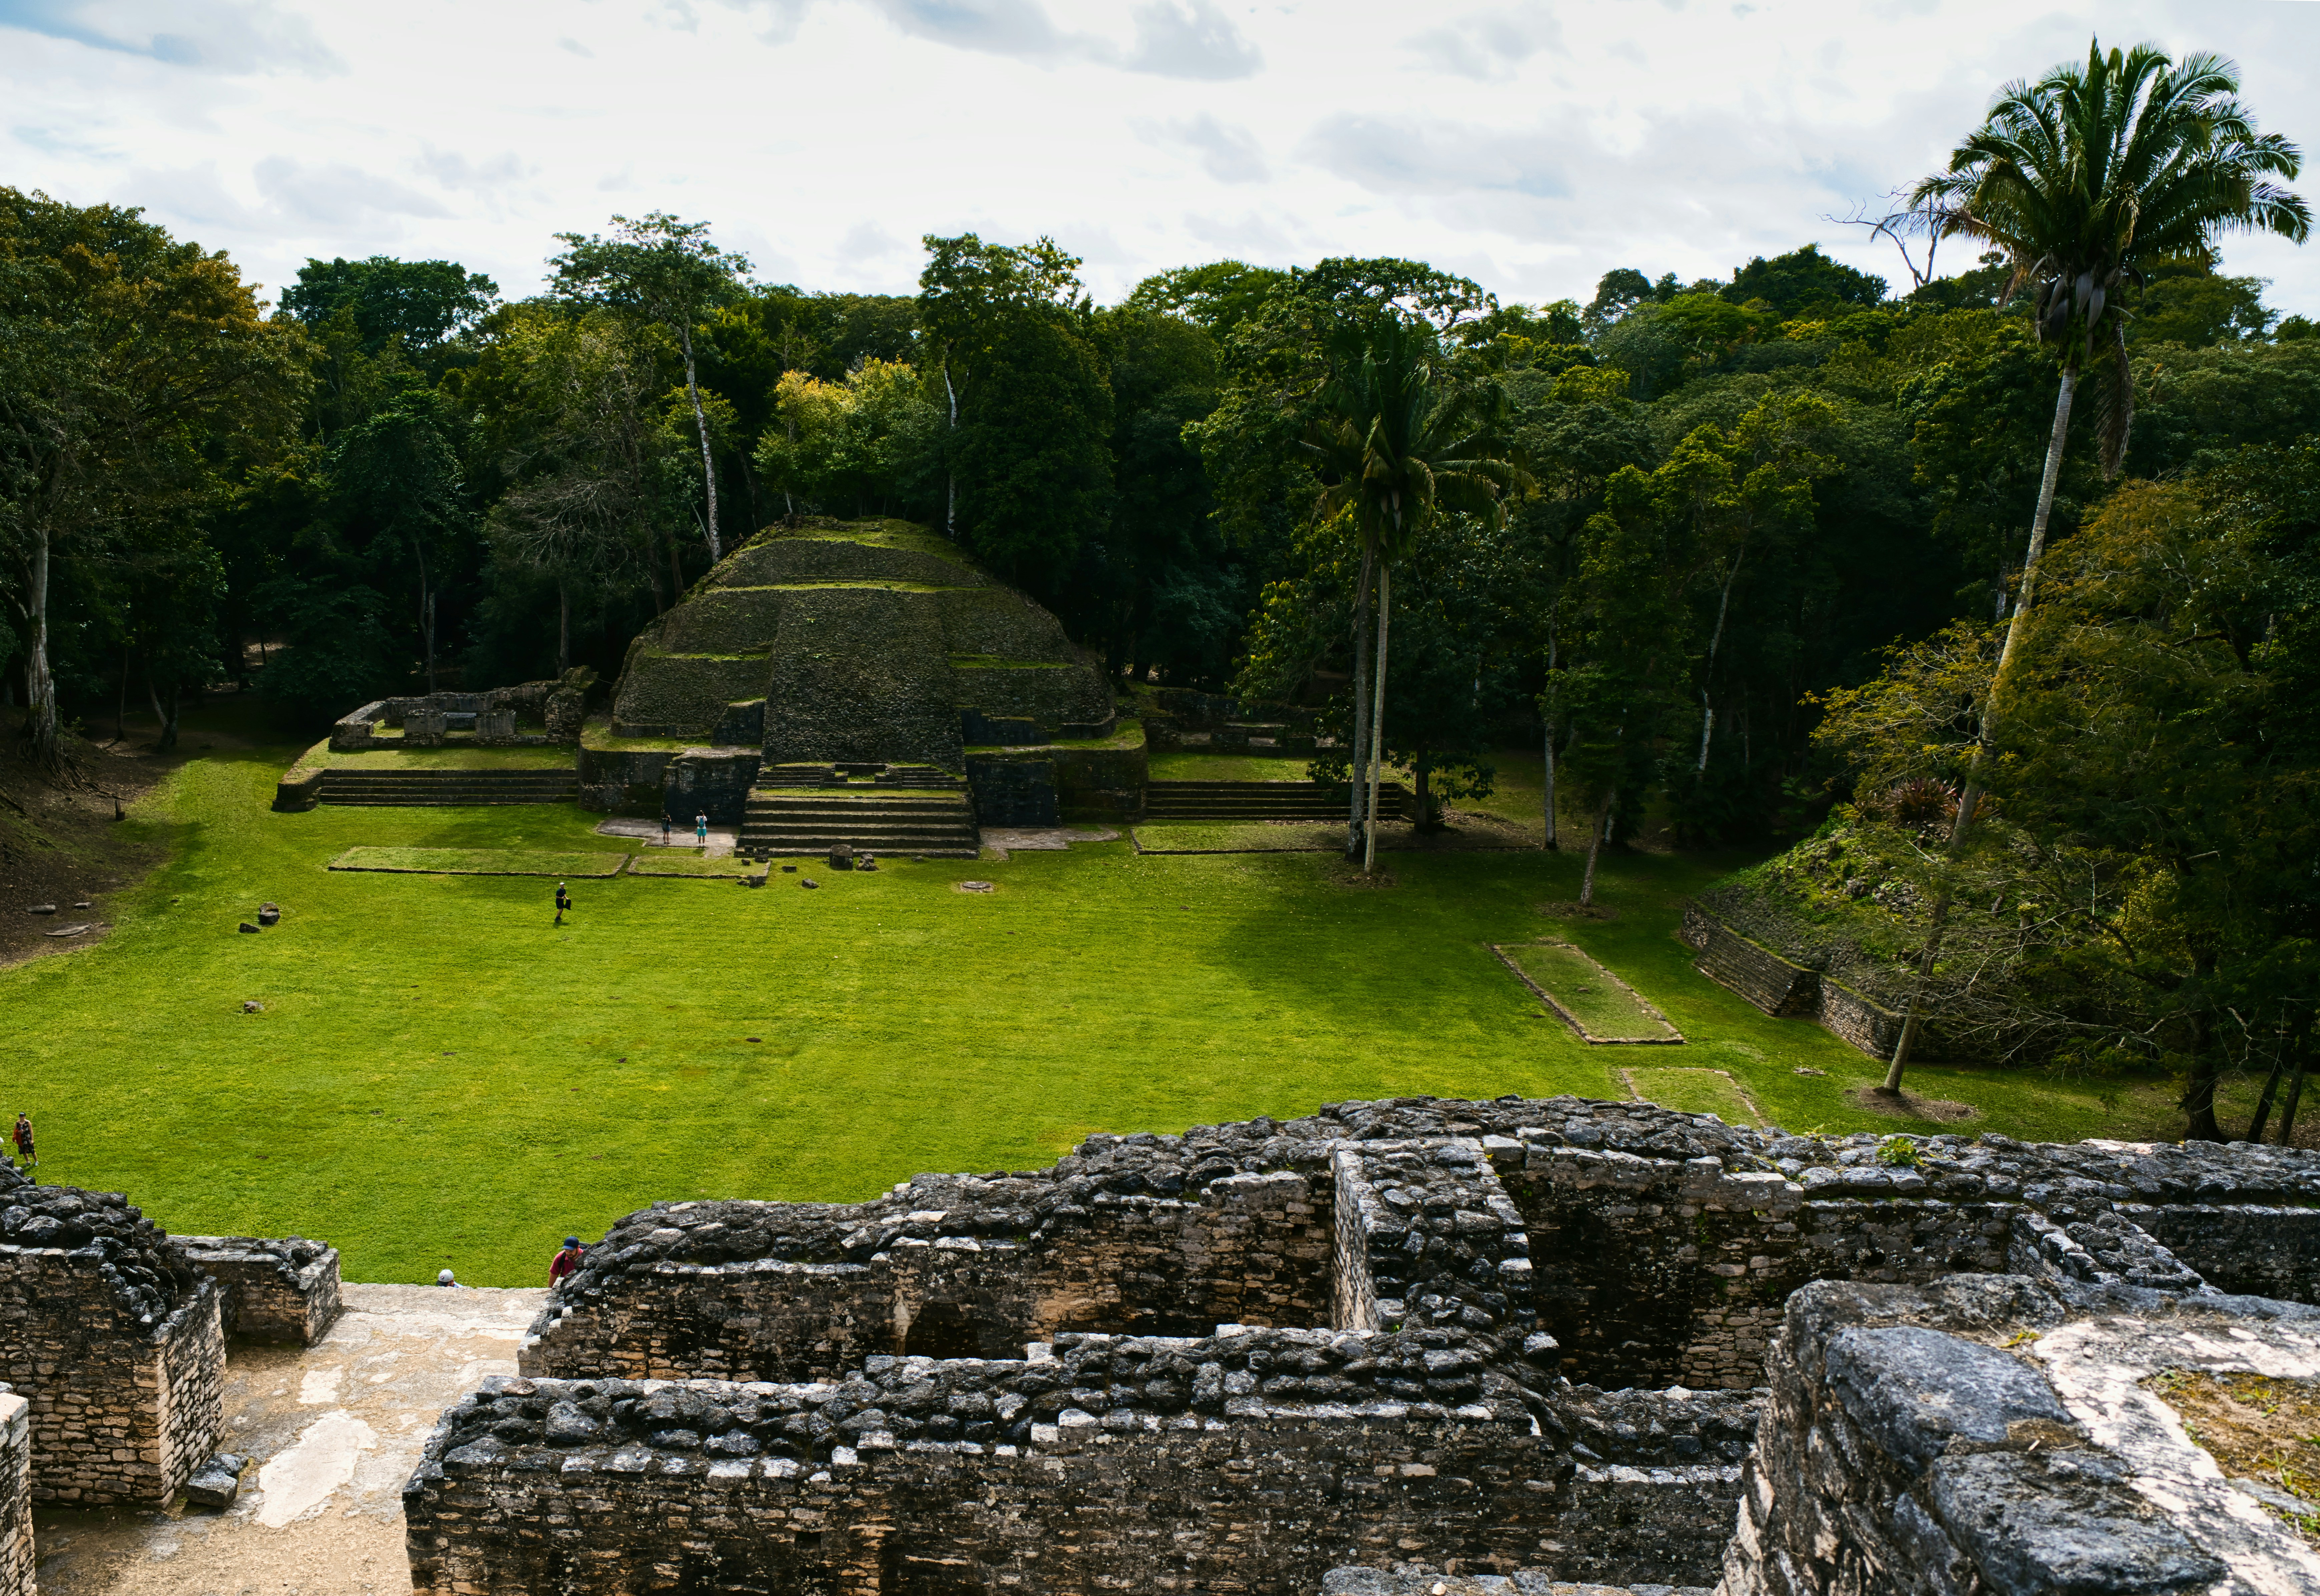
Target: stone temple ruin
[(1413, 1345), (112, 1343)]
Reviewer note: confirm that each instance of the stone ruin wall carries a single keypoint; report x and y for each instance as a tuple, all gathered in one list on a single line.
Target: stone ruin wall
[(121, 1410), (112, 1337), (1032, 1345), (283, 1289), (17, 1550)]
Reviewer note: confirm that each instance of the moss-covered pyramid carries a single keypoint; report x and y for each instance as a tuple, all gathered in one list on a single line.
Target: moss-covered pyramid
[(858, 641)]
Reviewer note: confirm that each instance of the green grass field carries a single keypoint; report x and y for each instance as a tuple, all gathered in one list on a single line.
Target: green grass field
[(440, 1076)]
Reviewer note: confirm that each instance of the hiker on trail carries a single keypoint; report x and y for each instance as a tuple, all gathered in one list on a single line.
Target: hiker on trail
[(701, 830), (562, 1267), (25, 1142), (563, 903)]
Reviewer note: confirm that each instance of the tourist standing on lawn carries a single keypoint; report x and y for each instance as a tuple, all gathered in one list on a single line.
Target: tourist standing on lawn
[(563, 903), (561, 1268), (24, 1143), (701, 830)]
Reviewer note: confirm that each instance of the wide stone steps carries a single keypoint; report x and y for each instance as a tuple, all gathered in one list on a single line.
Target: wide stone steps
[(1258, 800), (882, 819), (442, 788)]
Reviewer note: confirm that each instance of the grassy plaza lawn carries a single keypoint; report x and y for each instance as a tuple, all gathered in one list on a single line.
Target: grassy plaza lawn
[(438, 1075)]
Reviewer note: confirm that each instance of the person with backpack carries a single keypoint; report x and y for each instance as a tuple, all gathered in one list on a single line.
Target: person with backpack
[(565, 1263), (701, 831), (24, 1143), (563, 903)]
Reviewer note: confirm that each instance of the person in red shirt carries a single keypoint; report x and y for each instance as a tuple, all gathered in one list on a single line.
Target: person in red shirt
[(561, 1266), (25, 1142)]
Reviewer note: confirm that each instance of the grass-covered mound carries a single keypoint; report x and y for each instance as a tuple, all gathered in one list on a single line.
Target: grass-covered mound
[(1855, 903), (866, 639)]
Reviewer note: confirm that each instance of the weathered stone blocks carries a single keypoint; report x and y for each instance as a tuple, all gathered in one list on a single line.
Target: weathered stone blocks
[(275, 1290)]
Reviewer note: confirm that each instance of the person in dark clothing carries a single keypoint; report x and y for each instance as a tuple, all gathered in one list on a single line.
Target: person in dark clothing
[(563, 903), (664, 828), (25, 1142), (560, 1268)]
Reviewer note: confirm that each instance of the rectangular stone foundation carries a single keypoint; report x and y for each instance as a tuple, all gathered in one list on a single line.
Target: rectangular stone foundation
[(283, 1290)]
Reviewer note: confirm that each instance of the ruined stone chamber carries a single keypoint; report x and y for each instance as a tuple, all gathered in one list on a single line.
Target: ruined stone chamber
[(112, 1340), (846, 678), (1475, 1340)]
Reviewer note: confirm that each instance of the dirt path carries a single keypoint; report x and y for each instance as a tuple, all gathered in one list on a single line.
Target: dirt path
[(333, 1432)]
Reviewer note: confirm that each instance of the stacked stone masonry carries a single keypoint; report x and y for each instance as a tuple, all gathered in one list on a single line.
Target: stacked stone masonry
[(275, 1290), (112, 1340), (2001, 1434), (17, 1554), (1782, 986), (1508, 1341)]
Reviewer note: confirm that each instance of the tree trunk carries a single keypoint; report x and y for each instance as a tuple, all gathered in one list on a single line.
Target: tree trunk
[(1595, 848), (562, 626), (120, 705), (1970, 798), (168, 716), (40, 687), (1548, 716), (1354, 768), (1425, 794), (2264, 1099), (2296, 1082), (426, 612), (1715, 641), (2199, 1096), (708, 468), (1377, 717), (951, 472)]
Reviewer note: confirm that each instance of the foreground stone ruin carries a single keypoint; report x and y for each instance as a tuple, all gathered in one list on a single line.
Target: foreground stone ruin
[(112, 1340), (1507, 1346)]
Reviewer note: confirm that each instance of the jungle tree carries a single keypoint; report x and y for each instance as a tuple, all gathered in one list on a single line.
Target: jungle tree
[(2082, 181)]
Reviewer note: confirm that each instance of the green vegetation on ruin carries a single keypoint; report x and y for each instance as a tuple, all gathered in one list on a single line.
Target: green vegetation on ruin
[(440, 1076)]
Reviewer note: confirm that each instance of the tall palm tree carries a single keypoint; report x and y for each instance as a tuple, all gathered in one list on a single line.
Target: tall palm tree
[(2080, 180), (1398, 438)]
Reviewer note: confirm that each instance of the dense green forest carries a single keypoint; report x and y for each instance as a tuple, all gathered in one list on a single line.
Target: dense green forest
[(394, 479), (1745, 557)]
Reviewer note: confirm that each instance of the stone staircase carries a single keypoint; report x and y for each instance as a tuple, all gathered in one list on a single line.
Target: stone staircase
[(921, 809), (436, 786), (1258, 800)]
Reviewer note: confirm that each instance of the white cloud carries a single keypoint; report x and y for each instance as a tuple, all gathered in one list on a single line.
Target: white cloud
[(1536, 146), (1190, 39), (226, 36), (1228, 152), (1488, 46)]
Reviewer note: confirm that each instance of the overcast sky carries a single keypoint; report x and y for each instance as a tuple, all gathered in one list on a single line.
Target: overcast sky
[(1532, 147)]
